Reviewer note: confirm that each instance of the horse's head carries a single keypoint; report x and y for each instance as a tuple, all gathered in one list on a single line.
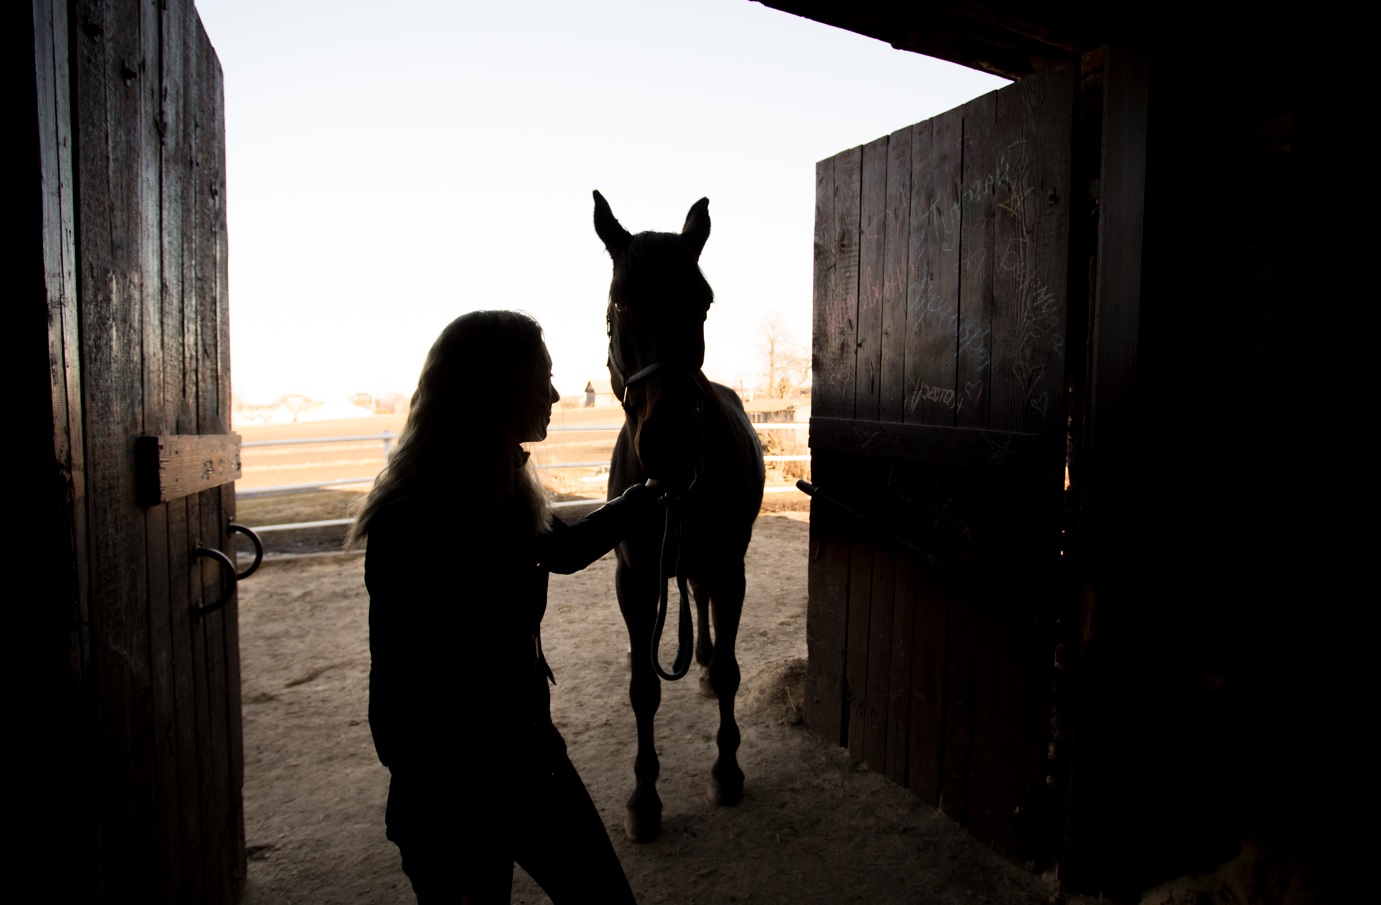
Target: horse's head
[(658, 300)]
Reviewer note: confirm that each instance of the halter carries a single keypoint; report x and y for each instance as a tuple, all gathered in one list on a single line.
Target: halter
[(616, 367)]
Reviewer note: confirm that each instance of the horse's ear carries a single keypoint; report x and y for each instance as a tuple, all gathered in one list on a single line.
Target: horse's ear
[(610, 231), (697, 228)]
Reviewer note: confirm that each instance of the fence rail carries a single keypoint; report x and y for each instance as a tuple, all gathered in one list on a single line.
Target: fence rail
[(388, 438)]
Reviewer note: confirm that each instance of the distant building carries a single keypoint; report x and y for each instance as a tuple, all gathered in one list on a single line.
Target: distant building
[(598, 393)]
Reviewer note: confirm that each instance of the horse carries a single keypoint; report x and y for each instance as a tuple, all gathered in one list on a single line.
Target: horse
[(693, 435)]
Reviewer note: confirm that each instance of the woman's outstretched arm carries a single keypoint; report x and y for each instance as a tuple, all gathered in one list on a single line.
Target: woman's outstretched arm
[(571, 547)]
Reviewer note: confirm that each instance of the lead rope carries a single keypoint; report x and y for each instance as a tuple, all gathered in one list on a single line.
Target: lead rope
[(685, 639)]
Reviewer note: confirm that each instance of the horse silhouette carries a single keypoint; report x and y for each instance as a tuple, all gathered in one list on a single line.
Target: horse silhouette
[(693, 434)]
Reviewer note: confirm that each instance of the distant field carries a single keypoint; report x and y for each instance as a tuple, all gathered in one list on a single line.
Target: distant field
[(277, 466), (575, 437)]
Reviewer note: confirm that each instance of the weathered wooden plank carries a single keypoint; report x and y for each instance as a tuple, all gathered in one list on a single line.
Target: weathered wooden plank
[(177, 465), (193, 577), (925, 726), (147, 85), (933, 309), (179, 117), (983, 178), (856, 652), (836, 332), (109, 170), (965, 448), (962, 646), (54, 115), (235, 727), (826, 617), (823, 277), (889, 667), (235, 861), (877, 703), (859, 656), (213, 418), (918, 262), (828, 583), (871, 263), (1033, 122), (836, 315), (897, 763), (58, 803), (897, 242), (926, 645), (158, 597)]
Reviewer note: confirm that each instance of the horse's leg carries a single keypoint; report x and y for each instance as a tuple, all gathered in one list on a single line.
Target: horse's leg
[(704, 643), (637, 592), (726, 779)]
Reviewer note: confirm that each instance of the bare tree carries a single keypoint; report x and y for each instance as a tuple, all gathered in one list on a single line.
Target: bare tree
[(788, 363)]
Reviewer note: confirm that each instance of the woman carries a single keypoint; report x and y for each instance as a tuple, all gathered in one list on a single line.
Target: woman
[(461, 540)]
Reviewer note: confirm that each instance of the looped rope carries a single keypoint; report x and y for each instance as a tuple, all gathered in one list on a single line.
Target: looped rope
[(685, 638)]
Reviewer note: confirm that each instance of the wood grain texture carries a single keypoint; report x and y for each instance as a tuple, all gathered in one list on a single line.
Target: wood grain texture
[(1032, 130), (222, 861), (925, 727), (965, 448), (856, 650), (942, 425), (982, 181), (146, 122), (113, 158), (896, 264), (59, 707), (872, 256), (894, 570), (897, 762), (178, 465), (877, 706), (933, 311), (827, 608), (861, 659)]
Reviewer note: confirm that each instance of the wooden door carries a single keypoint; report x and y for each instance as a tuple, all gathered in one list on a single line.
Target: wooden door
[(130, 128), (939, 412)]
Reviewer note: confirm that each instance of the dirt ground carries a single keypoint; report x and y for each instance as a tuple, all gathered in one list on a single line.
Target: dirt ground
[(813, 826)]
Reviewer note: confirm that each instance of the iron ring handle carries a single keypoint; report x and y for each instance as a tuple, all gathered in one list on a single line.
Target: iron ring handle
[(227, 570), (258, 550)]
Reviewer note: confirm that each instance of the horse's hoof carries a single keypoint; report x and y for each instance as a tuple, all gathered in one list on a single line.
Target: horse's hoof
[(644, 827), (726, 790), (725, 796), (705, 687)]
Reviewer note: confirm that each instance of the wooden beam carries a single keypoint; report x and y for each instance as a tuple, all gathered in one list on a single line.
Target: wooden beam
[(926, 444), (176, 466)]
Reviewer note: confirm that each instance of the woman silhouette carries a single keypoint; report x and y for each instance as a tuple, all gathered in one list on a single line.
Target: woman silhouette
[(460, 542)]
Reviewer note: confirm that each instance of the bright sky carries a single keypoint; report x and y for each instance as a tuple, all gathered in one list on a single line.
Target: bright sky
[(394, 165)]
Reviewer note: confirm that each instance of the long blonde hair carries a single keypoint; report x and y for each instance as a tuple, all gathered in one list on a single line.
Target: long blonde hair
[(456, 438)]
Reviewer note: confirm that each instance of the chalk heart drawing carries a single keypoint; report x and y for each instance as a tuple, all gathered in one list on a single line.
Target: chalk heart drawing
[(1027, 376), (1041, 403), (974, 390)]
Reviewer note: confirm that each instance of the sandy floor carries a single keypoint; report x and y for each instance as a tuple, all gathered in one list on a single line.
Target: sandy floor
[(813, 827)]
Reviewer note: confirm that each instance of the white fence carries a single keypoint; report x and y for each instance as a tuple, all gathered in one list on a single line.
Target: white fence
[(387, 439)]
